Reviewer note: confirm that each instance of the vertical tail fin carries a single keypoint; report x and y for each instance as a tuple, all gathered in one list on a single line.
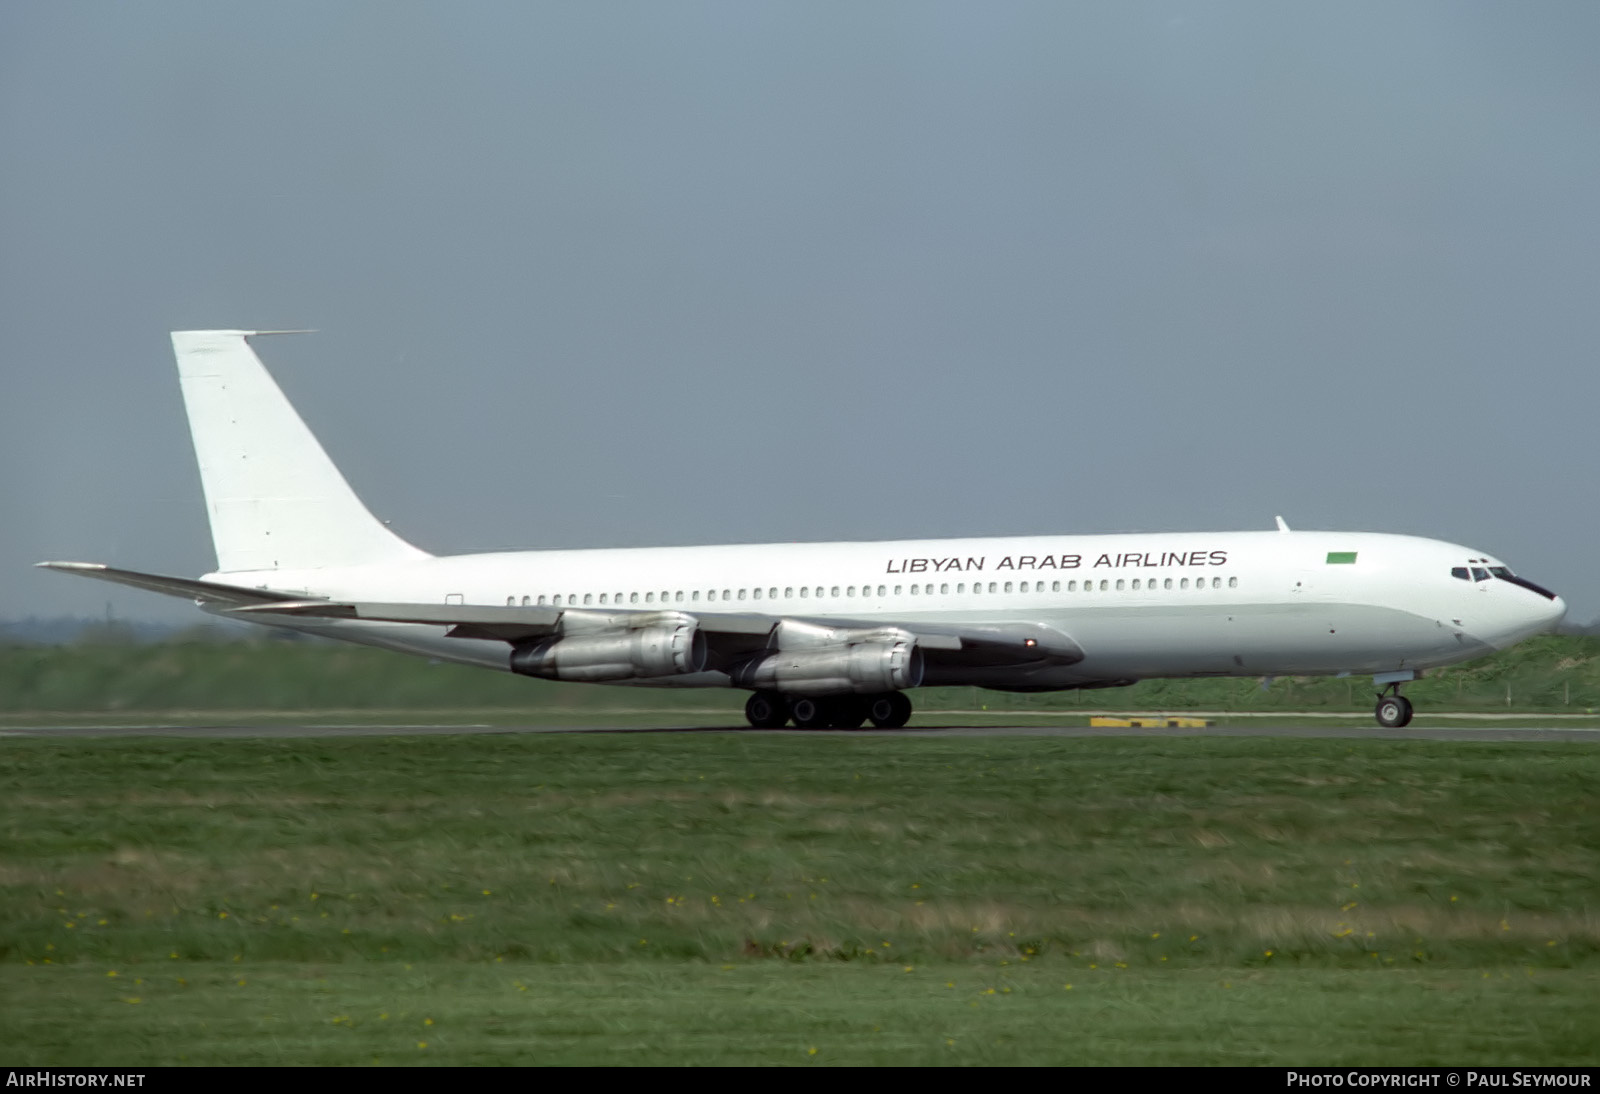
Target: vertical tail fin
[(275, 499)]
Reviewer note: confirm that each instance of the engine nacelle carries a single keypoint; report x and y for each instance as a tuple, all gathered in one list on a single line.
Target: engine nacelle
[(667, 648), (885, 662)]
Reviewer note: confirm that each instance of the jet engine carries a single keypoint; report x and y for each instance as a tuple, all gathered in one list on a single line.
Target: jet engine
[(886, 660), (668, 647)]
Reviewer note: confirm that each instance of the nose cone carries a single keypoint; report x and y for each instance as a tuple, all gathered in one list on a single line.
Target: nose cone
[(1525, 612), (1531, 616)]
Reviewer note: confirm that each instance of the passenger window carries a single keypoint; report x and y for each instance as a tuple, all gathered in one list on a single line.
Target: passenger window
[(557, 600), (1167, 584), (772, 594), (991, 586), (633, 598), (588, 598), (1216, 583), (943, 589), (897, 590), (741, 594), (1184, 584), (851, 591), (1008, 586), (541, 600), (757, 594), (727, 594), (677, 597), (914, 589), (695, 595), (649, 598), (882, 590), (788, 592), (961, 586), (835, 591), (819, 592), (1104, 585), (1072, 586), (804, 592), (1233, 583), (602, 598), (1120, 584)]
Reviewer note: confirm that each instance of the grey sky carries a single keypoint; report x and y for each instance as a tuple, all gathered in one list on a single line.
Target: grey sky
[(630, 274)]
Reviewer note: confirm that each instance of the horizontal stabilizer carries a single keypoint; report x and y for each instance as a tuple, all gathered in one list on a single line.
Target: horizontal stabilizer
[(210, 592)]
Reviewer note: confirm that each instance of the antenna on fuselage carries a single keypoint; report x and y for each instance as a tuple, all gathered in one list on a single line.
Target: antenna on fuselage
[(1282, 527)]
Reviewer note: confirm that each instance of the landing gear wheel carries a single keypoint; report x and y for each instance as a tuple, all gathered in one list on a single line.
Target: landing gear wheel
[(811, 713), (1394, 711), (890, 710), (766, 710)]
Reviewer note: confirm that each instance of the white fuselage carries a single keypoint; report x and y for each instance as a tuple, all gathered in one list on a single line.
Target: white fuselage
[(1140, 606)]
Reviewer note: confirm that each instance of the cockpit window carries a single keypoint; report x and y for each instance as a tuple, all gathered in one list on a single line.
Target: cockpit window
[(1480, 574), (1506, 575), (1459, 571)]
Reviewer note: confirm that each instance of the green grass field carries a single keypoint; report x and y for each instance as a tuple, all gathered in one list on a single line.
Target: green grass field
[(1553, 675), (734, 898)]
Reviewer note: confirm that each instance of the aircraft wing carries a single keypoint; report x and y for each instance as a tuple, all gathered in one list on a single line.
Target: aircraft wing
[(729, 635)]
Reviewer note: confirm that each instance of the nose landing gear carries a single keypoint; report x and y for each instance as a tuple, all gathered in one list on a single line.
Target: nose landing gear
[(1394, 709)]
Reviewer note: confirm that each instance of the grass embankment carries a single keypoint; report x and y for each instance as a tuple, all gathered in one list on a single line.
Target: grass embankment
[(722, 898), (1550, 675)]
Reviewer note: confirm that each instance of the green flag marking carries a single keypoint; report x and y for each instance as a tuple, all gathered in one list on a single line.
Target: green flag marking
[(1341, 558)]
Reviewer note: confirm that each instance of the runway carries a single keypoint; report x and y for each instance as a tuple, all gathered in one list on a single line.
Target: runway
[(1351, 732)]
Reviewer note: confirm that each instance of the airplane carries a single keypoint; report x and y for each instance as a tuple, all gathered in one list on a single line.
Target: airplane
[(821, 634)]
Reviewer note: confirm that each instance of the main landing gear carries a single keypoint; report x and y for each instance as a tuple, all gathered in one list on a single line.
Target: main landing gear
[(772, 710)]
